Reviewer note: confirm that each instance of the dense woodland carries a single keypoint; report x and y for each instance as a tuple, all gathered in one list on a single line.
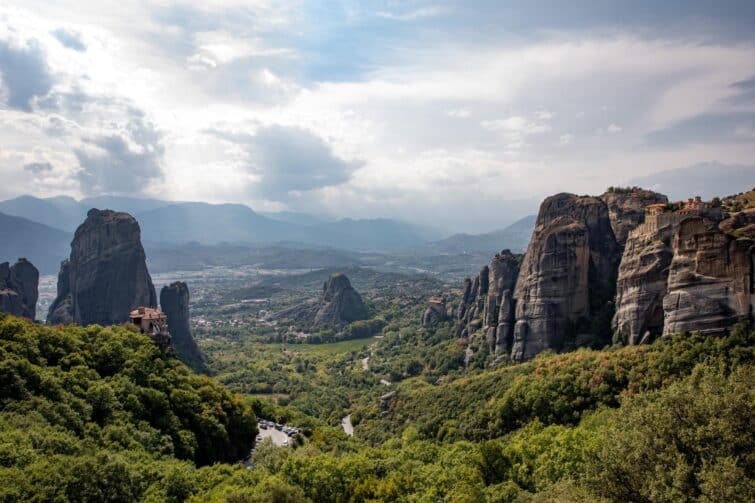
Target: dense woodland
[(98, 414)]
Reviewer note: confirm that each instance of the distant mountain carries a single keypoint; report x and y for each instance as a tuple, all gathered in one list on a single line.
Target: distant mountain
[(167, 222), (66, 213), (131, 205), (212, 224), (707, 180), (61, 212), (43, 245), (293, 217), (515, 237)]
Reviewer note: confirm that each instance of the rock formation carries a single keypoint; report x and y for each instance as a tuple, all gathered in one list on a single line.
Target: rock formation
[(710, 284), (174, 302), (434, 313), (626, 209), (685, 270), (61, 310), (106, 276), (19, 288), (487, 302), (641, 286), (568, 274), (339, 304)]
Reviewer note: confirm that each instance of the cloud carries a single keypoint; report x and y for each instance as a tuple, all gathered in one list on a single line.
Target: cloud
[(614, 128), (38, 168), (25, 74), (124, 161), (69, 39), (706, 179), (288, 160), (708, 128)]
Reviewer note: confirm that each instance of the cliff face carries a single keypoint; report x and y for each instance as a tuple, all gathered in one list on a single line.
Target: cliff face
[(626, 209), (174, 302), (642, 285), (340, 304), (61, 310), (487, 302), (568, 274), (688, 267), (107, 273), (19, 288), (685, 271), (710, 279)]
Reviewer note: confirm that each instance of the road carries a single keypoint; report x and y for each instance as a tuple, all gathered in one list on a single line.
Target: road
[(347, 426)]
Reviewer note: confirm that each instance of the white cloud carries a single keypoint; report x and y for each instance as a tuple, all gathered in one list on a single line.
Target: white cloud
[(614, 128), (440, 127)]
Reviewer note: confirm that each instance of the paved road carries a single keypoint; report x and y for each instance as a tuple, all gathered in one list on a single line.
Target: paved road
[(347, 426), (278, 436)]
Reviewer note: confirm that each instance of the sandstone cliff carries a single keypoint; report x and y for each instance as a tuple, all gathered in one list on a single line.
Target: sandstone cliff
[(710, 285), (487, 302), (568, 275), (174, 302), (339, 304), (626, 209), (106, 276), (435, 313), (685, 270), (61, 309), (19, 288)]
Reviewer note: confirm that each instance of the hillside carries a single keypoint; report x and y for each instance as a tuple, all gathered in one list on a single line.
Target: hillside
[(99, 415), (44, 246)]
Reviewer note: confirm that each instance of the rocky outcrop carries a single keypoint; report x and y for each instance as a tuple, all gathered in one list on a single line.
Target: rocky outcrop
[(642, 285), (567, 276), (487, 302), (626, 209), (61, 310), (685, 270), (19, 288), (106, 275), (710, 283), (435, 313), (339, 304), (174, 302)]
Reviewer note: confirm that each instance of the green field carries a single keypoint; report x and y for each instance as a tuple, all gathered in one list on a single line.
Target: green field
[(329, 348)]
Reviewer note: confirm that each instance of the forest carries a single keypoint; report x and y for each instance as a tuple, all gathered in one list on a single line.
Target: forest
[(99, 414)]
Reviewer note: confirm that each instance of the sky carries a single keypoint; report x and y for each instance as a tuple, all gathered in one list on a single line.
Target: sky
[(461, 115)]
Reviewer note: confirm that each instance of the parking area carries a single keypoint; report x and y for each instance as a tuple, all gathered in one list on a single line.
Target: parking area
[(280, 434)]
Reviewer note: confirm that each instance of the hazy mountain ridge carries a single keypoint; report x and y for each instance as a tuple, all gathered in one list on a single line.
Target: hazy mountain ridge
[(170, 222), (43, 245), (514, 237)]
